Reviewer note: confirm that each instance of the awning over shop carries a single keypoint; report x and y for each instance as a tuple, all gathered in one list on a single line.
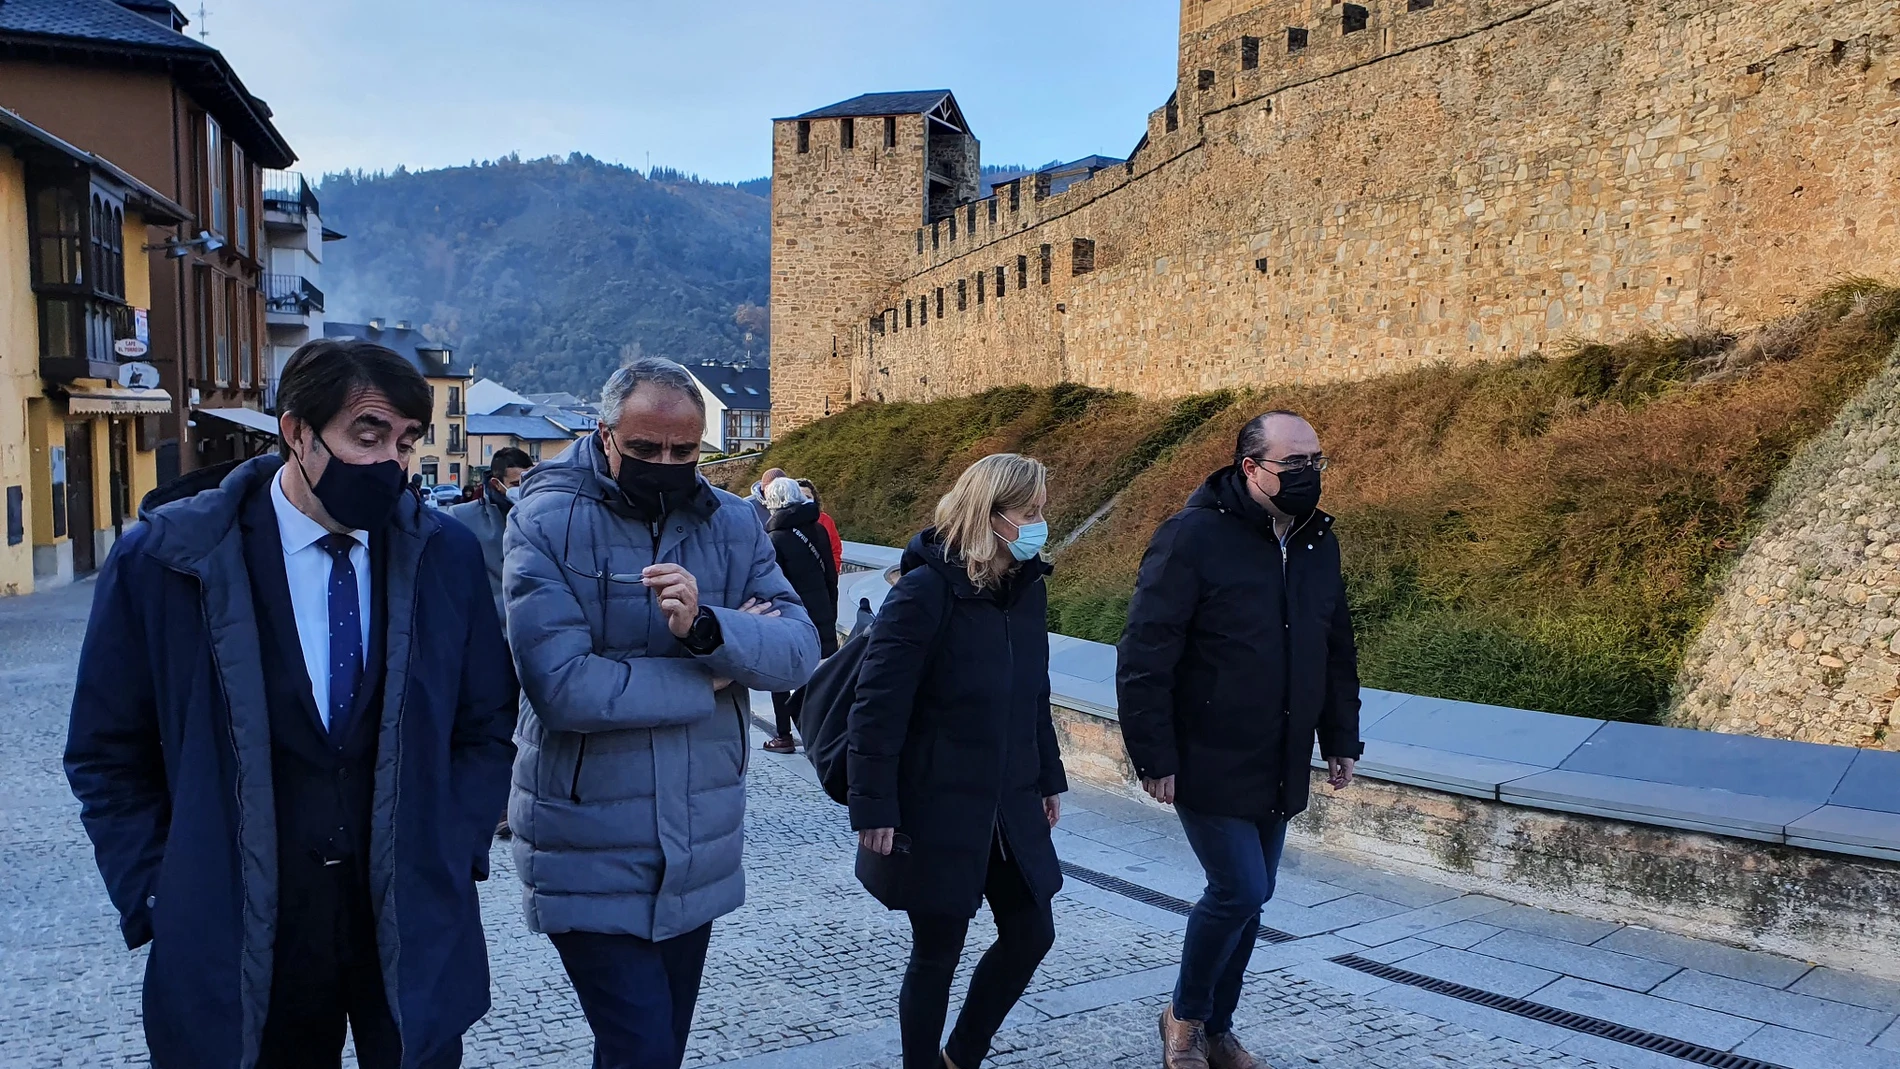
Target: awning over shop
[(248, 418), (116, 401)]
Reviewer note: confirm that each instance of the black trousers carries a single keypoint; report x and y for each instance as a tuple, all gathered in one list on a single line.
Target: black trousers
[(1025, 930), (638, 995), (327, 974), (782, 715)]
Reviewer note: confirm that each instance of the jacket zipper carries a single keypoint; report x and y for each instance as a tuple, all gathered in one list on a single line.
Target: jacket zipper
[(1286, 655), (1009, 643)]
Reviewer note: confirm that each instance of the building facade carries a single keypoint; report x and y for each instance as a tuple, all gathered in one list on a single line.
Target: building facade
[(79, 412), (442, 455), (294, 237), (738, 407), (122, 80), (537, 435), (1341, 190)]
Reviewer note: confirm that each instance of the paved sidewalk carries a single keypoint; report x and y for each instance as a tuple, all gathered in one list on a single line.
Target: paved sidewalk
[(806, 975)]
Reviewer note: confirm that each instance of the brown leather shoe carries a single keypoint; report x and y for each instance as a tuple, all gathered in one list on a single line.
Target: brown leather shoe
[(1183, 1043), (1225, 1052), (781, 744)]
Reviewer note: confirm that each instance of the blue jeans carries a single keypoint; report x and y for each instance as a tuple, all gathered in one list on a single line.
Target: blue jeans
[(638, 995), (1242, 858)]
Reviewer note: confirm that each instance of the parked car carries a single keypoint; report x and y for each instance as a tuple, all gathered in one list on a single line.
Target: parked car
[(445, 494)]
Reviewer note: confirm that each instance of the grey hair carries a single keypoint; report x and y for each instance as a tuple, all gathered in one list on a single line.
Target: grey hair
[(783, 492), (643, 369)]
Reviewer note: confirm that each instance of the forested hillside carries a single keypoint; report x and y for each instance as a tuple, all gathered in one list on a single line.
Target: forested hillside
[(544, 273)]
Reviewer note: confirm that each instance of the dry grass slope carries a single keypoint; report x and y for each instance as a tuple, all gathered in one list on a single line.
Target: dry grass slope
[(1546, 534)]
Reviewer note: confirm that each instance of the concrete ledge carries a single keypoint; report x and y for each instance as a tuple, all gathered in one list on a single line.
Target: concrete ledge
[(1786, 847), (1829, 798)]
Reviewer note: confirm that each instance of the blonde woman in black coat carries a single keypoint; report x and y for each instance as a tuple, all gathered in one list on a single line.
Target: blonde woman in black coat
[(955, 779)]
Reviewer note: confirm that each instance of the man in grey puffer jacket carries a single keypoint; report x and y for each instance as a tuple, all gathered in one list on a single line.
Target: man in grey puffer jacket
[(642, 605)]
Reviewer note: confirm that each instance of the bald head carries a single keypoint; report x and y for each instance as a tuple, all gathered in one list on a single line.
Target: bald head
[(1272, 435), (771, 476)]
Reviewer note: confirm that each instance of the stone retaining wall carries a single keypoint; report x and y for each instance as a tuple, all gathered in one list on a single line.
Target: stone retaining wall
[(1831, 909), (1804, 642)]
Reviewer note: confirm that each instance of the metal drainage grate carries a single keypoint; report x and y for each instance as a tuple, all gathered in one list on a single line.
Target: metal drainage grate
[(1575, 1022), (1148, 896)]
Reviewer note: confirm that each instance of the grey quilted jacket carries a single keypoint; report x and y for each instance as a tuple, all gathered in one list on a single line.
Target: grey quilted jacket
[(628, 804)]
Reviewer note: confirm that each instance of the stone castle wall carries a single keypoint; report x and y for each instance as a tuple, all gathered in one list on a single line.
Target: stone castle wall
[(1804, 642), (1472, 180)]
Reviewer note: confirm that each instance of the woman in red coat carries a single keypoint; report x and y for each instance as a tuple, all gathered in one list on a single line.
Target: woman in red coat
[(824, 520)]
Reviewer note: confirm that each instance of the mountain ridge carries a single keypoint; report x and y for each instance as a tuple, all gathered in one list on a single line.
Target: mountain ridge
[(549, 273)]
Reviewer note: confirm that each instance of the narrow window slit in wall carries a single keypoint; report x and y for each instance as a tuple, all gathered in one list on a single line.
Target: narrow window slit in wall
[(890, 131), (1295, 39), (1081, 256), (1249, 53), (848, 133)]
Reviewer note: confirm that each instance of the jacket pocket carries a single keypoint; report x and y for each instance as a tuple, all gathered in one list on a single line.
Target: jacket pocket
[(745, 735), (580, 758)]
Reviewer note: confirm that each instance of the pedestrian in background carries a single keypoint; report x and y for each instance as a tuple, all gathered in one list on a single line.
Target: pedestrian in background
[(1238, 653), (757, 500), (285, 673), (487, 518), (487, 514), (804, 555), (825, 521), (955, 780), (643, 605)]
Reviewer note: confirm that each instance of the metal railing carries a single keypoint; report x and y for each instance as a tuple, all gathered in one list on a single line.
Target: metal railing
[(286, 191), (291, 295)]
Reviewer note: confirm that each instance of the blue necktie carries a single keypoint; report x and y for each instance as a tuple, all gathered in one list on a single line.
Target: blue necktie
[(346, 631)]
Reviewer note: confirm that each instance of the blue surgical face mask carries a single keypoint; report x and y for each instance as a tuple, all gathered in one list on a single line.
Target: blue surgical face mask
[(1030, 538)]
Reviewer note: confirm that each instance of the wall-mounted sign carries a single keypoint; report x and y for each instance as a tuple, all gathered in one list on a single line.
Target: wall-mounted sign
[(137, 376), (130, 347), (141, 328)]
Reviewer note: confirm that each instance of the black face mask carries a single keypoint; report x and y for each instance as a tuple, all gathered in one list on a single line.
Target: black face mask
[(1299, 492), (653, 489), (358, 496)]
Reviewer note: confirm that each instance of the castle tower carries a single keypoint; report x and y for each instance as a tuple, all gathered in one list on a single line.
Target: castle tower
[(851, 186)]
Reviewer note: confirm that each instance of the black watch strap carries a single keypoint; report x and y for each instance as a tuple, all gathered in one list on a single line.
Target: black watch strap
[(704, 636)]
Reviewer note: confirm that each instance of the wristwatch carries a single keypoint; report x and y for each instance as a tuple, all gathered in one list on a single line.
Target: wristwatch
[(704, 636)]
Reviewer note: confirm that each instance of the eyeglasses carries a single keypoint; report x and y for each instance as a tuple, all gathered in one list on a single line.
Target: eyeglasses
[(1318, 462), (567, 539)]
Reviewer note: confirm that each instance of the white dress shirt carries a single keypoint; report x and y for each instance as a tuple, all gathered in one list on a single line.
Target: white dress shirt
[(307, 566)]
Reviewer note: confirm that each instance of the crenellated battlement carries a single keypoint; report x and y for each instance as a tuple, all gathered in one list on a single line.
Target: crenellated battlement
[(1404, 182)]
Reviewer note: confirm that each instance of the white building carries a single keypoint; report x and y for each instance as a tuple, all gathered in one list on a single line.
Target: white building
[(738, 406), (292, 284)]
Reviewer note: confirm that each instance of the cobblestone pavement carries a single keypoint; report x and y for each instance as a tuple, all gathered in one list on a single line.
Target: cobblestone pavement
[(806, 975)]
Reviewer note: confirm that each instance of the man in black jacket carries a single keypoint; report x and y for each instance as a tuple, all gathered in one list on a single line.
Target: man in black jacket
[(1238, 651)]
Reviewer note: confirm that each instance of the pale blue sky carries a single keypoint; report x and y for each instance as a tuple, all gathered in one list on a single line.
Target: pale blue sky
[(430, 83)]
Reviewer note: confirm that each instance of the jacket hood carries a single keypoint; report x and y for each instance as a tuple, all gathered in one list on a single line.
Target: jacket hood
[(803, 514), (1226, 491), (191, 516), (926, 550), (581, 469)]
